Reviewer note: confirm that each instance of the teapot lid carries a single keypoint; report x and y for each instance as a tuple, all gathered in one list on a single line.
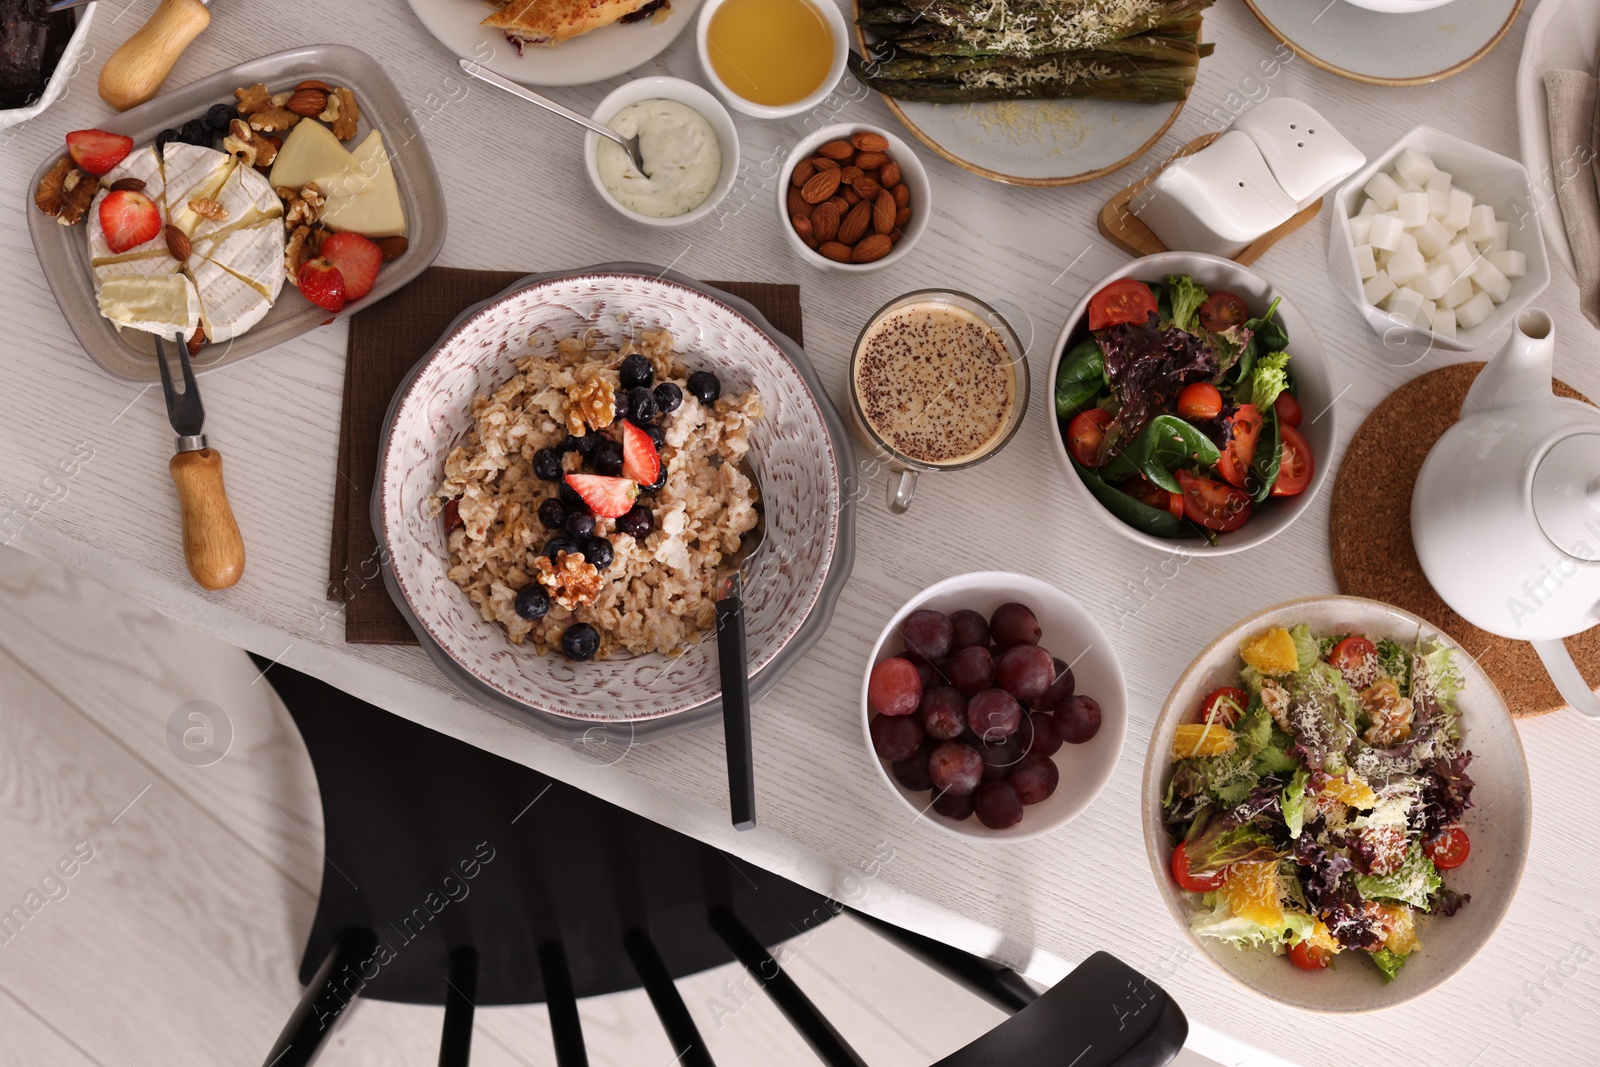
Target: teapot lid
[(1566, 495)]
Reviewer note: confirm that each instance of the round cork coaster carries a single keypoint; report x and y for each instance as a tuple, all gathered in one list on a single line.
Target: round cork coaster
[(1370, 534)]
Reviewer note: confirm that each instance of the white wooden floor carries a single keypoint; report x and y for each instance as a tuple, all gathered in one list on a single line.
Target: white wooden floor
[(176, 941)]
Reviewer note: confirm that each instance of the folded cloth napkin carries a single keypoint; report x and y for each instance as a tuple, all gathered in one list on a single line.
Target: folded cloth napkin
[(386, 340), (1571, 96)]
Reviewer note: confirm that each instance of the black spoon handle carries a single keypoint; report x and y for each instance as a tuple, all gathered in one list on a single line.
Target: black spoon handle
[(732, 661)]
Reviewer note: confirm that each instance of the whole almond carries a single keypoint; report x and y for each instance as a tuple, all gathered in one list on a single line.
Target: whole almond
[(840, 204), (868, 188), (825, 221), (802, 227), (797, 203), (131, 185), (871, 160), (307, 103), (902, 216), (851, 197), (875, 247), (889, 174), (392, 247), (849, 174), (895, 235), (867, 141), (840, 150), (824, 163), (314, 84), (803, 172), (177, 243), (854, 225), (902, 194), (196, 341), (834, 250), (822, 185), (883, 211)]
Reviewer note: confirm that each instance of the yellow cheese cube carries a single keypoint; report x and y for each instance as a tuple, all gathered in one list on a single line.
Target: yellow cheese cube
[(1271, 653)]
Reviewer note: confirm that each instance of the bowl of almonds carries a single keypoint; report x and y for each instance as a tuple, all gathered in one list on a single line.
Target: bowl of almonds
[(853, 198)]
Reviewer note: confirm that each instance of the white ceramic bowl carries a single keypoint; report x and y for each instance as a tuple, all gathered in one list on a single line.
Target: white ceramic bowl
[(1491, 179), (1398, 7), (662, 88), (70, 66), (841, 53), (1498, 823), (791, 450), (912, 173), (1309, 366), (1071, 634)]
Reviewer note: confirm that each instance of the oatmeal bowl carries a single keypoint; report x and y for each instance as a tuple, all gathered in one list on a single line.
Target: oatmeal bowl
[(562, 479)]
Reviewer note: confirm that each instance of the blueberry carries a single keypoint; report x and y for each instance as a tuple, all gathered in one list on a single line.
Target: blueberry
[(553, 513), (620, 407), (219, 116), (569, 497), (598, 551), (533, 603), (166, 137), (656, 435), (569, 444), (561, 543), (196, 132), (607, 459), (580, 524), (637, 523), (585, 445), (547, 464), (579, 641), (641, 406), (661, 479), (705, 386), (668, 397), (635, 371)]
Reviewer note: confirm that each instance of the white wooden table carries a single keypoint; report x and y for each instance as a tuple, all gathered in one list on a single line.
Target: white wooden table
[(519, 200)]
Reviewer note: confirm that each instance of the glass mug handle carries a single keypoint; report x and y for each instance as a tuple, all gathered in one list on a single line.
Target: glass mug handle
[(901, 490)]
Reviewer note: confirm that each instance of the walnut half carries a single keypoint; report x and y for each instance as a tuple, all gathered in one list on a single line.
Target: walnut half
[(66, 192), (301, 207), (251, 148), (591, 405), (571, 580)]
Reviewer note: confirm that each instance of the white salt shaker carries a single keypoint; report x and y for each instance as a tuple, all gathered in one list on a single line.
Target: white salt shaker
[(1276, 160)]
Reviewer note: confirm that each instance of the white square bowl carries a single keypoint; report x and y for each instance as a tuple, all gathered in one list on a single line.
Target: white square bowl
[(1492, 179)]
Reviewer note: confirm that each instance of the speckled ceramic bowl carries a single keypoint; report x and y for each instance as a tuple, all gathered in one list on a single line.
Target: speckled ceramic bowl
[(797, 449), (1498, 823)]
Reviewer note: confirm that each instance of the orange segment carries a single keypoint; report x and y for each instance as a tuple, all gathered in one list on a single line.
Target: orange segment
[(1321, 937), (1272, 652), (1400, 929), (1201, 739), (1351, 790), (1251, 890)]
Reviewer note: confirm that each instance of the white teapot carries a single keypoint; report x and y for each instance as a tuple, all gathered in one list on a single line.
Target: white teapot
[(1506, 510)]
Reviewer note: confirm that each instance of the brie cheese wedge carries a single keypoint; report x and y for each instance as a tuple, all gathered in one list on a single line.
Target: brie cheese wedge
[(164, 304), (100, 251), (254, 254), (247, 198), (192, 173), (151, 263), (144, 165), (228, 305)]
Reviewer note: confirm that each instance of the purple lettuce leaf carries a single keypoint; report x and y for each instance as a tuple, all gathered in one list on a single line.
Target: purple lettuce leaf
[(1147, 367), (1446, 793)]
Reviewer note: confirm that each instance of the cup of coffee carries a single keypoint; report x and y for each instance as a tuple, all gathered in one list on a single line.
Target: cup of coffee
[(938, 382)]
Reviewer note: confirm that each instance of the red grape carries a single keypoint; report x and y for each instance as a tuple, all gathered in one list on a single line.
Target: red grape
[(1025, 671), (1078, 719), (970, 669), (1059, 690), (1000, 755), (943, 713), (968, 628), (927, 633), (1034, 778), (912, 772), (1045, 738), (994, 714), (955, 768), (997, 804), (894, 688), (895, 737), (954, 806), (925, 670), (1014, 624)]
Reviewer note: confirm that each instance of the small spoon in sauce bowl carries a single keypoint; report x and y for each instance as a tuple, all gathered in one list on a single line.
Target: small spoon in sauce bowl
[(629, 144)]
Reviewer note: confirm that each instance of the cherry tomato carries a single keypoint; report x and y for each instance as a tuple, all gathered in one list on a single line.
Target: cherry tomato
[(1352, 654), (1212, 504), (1234, 466), (1309, 957), (1288, 409), (1449, 850), (1146, 492), (1086, 434), (1199, 401), (1124, 300), (1193, 883), (1224, 705), (1295, 468), (1222, 310)]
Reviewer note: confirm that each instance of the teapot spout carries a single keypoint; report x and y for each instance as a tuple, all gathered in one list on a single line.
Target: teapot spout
[(1521, 371)]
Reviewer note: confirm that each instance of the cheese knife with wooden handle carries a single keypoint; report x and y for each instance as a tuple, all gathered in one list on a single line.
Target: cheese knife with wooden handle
[(211, 543), (134, 73)]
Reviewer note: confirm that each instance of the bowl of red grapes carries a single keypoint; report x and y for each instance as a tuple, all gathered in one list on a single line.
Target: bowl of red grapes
[(995, 706)]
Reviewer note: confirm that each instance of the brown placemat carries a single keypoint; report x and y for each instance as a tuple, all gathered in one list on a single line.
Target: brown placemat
[(1371, 534), (386, 340)]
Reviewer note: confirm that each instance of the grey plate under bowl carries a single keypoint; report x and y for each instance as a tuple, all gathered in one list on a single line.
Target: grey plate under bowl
[(624, 732), (64, 250)]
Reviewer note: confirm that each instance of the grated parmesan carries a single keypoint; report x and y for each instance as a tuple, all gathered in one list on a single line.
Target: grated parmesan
[(1025, 33)]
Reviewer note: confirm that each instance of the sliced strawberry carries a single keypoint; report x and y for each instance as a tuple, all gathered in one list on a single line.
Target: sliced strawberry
[(322, 284), (640, 460), (97, 151), (608, 498), (357, 258), (129, 219)]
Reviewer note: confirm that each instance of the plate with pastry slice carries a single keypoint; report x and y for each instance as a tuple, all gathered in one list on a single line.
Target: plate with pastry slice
[(556, 42)]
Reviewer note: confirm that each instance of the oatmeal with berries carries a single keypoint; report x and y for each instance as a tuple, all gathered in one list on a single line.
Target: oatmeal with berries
[(597, 492)]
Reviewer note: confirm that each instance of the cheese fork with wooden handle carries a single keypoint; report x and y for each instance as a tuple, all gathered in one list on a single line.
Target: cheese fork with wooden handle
[(211, 543), (134, 73)]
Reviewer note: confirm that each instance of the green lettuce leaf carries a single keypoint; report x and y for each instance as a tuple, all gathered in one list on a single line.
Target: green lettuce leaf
[(1268, 378), (1412, 884), (1388, 962), (1186, 297), (1443, 677), (1221, 923), (1394, 661), (1306, 647), (1294, 803)]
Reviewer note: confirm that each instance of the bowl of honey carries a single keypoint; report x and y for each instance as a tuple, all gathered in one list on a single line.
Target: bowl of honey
[(772, 58)]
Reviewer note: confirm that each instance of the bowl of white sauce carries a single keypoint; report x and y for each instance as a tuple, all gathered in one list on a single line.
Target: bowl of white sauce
[(690, 149)]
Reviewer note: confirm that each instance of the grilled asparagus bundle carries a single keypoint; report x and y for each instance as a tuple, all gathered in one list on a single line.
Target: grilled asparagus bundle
[(961, 51)]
